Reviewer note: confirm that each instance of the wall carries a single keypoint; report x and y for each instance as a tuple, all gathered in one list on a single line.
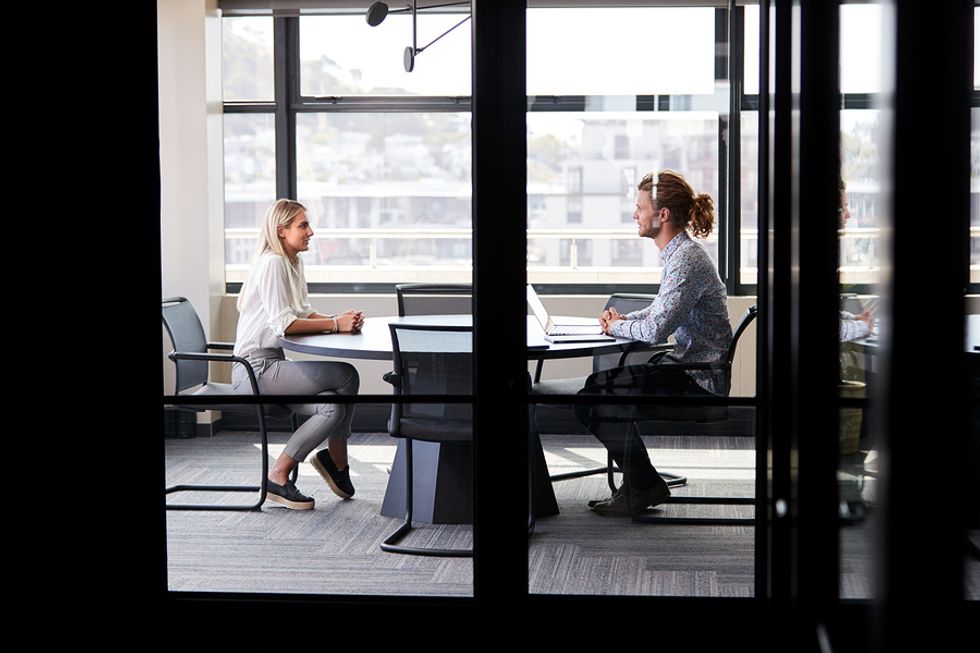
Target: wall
[(191, 159)]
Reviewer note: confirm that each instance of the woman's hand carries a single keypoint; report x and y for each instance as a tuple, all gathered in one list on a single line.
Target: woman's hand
[(350, 321)]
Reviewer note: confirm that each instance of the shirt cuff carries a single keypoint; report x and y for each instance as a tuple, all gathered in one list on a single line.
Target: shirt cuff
[(620, 328)]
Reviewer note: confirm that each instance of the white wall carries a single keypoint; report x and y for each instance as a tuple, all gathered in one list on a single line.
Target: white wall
[(191, 160)]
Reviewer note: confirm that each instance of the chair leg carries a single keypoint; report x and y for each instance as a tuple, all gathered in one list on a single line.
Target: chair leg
[(261, 489), (390, 544)]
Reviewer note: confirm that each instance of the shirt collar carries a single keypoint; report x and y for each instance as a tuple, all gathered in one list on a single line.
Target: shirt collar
[(674, 243)]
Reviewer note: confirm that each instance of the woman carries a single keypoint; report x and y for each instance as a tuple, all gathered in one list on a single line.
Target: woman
[(691, 305), (273, 302)]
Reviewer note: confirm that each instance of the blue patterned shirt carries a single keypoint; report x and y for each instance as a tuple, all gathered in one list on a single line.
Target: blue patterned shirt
[(692, 304), (852, 328)]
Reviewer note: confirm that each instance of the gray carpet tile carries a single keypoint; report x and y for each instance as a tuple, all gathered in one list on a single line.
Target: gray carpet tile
[(579, 552), (330, 550), (334, 549)]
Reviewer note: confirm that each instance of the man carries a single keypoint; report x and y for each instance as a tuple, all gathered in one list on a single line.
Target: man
[(691, 305), (852, 327)]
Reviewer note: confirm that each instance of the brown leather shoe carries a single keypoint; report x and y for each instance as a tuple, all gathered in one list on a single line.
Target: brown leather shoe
[(633, 501)]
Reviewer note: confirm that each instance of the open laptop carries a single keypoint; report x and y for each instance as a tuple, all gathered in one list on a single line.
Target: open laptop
[(560, 328)]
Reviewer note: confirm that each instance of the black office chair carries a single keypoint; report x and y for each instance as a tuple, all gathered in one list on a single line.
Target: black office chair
[(665, 413), (624, 303), (434, 299), (700, 414), (190, 356), (429, 360)]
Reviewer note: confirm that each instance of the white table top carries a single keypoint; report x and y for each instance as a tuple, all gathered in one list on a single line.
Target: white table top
[(373, 342)]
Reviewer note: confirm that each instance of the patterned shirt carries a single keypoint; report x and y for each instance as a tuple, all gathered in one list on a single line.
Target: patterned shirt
[(692, 305), (852, 328)]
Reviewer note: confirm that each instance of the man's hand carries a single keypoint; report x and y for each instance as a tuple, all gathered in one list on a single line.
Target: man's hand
[(607, 318)]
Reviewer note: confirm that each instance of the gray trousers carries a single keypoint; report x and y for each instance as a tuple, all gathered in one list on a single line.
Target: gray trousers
[(276, 375)]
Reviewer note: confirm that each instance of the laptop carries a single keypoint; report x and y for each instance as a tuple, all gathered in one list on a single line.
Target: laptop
[(560, 328)]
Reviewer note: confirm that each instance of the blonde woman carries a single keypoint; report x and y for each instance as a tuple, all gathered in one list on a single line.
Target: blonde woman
[(273, 302)]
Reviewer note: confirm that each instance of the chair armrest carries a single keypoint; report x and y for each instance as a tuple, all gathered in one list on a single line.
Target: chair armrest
[(655, 359), (199, 356), (693, 366), (223, 346), (217, 358), (393, 379), (638, 346)]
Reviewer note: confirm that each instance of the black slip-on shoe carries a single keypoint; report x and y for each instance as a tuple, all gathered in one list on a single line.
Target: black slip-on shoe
[(339, 481), (287, 495), (634, 502), (595, 502)]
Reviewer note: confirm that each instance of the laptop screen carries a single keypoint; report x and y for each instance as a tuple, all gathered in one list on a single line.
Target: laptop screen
[(537, 307)]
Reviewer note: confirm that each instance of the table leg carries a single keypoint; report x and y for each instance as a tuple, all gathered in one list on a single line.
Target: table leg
[(443, 483)]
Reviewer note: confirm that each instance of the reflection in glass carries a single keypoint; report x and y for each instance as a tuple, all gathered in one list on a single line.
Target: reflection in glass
[(975, 196), (861, 48), (861, 234), (862, 224), (749, 193), (246, 58)]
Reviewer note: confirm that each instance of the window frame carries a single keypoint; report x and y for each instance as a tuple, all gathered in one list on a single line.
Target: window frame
[(290, 102)]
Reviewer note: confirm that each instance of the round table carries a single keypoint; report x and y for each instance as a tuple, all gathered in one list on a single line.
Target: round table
[(373, 342), (443, 482)]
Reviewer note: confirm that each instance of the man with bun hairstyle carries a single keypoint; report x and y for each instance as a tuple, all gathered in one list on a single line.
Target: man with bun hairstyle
[(691, 305)]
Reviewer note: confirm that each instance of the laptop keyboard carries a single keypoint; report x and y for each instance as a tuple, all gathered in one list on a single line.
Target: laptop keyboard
[(574, 331)]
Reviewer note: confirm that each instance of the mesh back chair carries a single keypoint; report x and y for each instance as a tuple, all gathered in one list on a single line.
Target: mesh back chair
[(191, 357), (429, 360), (434, 299), (700, 414), (623, 303)]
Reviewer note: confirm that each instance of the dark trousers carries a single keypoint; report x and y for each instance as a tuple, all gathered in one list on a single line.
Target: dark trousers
[(615, 425)]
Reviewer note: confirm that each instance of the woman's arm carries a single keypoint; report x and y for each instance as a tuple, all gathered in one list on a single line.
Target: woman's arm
[(346, 322)]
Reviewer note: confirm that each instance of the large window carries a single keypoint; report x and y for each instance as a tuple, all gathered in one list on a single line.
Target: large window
[(382, 157)]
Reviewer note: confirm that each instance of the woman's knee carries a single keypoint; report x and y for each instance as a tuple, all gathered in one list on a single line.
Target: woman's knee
[(351, 379)]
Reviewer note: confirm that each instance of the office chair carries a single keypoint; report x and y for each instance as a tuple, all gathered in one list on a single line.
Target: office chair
[(624, 303), (429, 360), (190, 356), (434, 299), (699, 414)]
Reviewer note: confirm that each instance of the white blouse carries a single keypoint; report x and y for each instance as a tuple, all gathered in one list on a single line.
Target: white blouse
[(267, 305)]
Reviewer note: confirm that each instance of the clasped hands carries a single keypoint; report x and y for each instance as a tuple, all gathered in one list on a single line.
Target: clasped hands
[(349, 321), (607, 318)]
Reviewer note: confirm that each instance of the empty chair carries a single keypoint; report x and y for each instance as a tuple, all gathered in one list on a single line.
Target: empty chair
[(433, 360), (191, 357), (434, 299)]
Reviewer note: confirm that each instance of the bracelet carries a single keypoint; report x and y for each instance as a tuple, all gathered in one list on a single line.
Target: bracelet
[(336, 325)]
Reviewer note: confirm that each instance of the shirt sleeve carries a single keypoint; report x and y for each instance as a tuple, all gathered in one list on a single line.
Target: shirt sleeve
[(851, 329), (308, 309), (679, 292), (272, 289)]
